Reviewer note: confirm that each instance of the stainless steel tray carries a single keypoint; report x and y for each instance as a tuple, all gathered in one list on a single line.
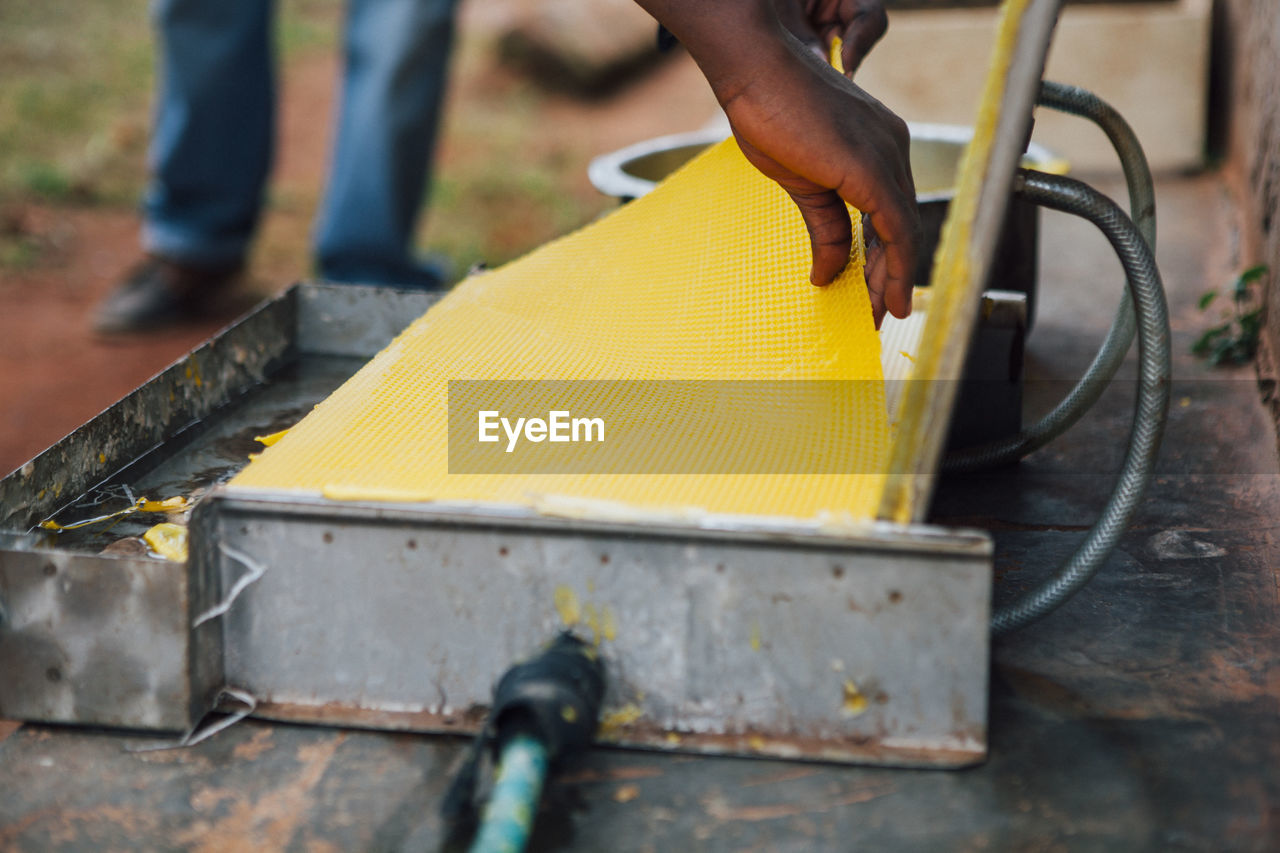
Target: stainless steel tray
[(769, 637)]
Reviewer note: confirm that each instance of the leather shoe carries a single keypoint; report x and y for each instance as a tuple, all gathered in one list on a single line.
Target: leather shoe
[(160, 292)]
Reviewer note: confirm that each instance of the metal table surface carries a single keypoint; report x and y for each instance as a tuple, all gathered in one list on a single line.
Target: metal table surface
[(1144, 715)]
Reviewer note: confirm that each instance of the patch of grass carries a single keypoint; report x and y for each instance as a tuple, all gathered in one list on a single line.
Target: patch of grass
[(308, 25), (1234, 340), (506, 184), (44, 180), (75, 120), (75, 101), (73, 71), (17, 253)]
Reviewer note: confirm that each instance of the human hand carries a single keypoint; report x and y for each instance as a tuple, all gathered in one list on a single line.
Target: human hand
[(859, 24), (827, 142), (815, 133)]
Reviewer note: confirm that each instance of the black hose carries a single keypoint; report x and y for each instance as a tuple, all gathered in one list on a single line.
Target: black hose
[(545, 709), (1142, 207), (1147, 292)]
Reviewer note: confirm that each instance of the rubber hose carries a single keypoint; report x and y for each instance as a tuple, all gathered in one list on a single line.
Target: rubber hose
[(1150, 408), (508, 816), (1142, 207)]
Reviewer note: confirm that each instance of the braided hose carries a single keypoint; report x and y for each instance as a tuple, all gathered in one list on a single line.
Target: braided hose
[(509, 815), (1152, 404), (1142, 206)]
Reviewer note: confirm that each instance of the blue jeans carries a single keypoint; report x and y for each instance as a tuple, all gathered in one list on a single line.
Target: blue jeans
[(211, 148)]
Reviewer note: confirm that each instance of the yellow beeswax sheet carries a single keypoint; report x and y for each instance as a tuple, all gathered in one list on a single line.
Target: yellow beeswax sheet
[(704, 280)]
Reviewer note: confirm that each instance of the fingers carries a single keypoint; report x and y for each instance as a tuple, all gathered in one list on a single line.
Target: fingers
[(891, 256), (865, 24), (874, 274), (888, 199), (896, 260), (858, 23), (830, 233)]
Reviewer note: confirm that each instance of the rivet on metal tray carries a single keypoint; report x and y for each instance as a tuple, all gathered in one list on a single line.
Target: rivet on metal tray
[(411, 544), (894, 596), (837, 571), (327, 537), (502, 552), (49, 570)]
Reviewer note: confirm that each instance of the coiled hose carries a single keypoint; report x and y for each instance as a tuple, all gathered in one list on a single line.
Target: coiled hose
[(1142, 207), (1147, 293)]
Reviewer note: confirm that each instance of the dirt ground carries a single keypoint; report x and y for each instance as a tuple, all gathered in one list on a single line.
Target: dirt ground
[(55, 373)]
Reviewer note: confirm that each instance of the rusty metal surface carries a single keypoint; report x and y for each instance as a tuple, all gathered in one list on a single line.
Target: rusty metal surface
[(105, 641), (94, 634), (191, 389), (754, 638), (1143, 716), (325, 320)]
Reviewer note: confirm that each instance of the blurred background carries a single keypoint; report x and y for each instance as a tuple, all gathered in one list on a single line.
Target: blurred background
[(523, 119), (538, 88)]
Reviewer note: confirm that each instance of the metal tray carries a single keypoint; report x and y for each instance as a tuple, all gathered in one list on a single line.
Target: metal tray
[(766, 637)]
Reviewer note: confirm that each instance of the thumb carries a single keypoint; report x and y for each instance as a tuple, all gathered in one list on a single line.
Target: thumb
[(866, 26), (830, 233)]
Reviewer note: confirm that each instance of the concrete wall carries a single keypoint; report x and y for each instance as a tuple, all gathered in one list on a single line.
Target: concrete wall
[(1150, 60), (1247, 95)]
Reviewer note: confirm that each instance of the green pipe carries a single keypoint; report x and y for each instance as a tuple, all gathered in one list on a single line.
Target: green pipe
[(508, 816)]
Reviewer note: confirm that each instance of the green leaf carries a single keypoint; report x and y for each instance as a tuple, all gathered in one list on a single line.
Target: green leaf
[(1245, 280), (1254, 273), (1205, 342), (1251, 323), (1206, 299)]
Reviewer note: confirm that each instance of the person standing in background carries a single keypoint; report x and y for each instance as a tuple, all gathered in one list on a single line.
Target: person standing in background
[(819, 136), (213, 142)]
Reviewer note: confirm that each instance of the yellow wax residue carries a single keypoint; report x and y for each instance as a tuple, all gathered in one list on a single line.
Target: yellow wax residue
[(755, 636), (102, 458), (756, 742), (853, 703), (608, 624), (268, 440), (569, 713), (169, 540), (175, 504), (601, 622), (906, 355), (193, 373), (592, 620), (673, 739), (611, 721), (566, 601)]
